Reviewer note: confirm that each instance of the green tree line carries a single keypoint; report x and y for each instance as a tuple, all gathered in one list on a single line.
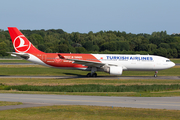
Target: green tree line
[(106, 42)]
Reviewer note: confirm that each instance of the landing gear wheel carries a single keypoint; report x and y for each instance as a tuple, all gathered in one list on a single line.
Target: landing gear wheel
[(88, 75), (156, 72), (94, 75)]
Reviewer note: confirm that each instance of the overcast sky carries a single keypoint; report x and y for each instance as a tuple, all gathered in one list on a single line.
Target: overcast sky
[(135, 16)]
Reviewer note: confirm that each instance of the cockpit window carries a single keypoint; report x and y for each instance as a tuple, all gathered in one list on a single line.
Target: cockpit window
[(168, 61)]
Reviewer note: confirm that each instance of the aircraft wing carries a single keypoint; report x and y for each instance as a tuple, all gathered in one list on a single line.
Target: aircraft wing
[(84, 62), (21, 55)]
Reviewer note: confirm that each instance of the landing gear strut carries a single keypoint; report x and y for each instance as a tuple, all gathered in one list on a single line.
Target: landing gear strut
[(156, 72), (93, 72)]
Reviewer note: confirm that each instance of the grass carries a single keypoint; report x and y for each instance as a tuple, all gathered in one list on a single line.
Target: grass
[(96, 88), (175, 60), (87, 112), (37, 70), (82, 81), (87, 81), (13, 61), (126, 94), (175, 71), (46, 71), (75, 112), (4, 103)]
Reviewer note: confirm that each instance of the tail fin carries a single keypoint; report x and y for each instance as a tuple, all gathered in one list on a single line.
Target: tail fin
[(20, 42)]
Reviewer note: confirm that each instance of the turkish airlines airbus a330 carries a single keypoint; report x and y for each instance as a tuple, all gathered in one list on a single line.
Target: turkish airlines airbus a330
[(113, 64)]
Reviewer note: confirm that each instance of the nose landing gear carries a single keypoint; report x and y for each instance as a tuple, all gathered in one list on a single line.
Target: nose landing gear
[(156, 72)]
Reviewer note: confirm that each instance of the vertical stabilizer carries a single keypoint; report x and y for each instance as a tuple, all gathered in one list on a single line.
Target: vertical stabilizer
[(21, 43)]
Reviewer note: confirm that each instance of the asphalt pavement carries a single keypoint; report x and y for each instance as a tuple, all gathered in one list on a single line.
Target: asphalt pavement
[(32, 100)]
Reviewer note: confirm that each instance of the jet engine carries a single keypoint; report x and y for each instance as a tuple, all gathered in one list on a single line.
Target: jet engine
[(113, 70)]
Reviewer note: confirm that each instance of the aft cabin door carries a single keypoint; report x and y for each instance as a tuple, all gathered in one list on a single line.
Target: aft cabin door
[(44, 57)]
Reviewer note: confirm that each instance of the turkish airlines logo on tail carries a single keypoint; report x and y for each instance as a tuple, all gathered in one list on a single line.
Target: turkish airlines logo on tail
[(21, 44)]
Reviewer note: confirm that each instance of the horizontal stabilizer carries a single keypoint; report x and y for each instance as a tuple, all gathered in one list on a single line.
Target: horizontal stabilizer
[(21, 55)]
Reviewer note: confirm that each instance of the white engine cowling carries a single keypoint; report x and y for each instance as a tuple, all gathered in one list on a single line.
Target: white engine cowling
[(113, 70)]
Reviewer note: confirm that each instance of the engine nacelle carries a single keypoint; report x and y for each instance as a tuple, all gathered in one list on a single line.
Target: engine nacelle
[(113, 70)]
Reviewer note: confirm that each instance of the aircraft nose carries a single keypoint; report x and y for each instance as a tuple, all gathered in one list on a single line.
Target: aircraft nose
[(173, 64)]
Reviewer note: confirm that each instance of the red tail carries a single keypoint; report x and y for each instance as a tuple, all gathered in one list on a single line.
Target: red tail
[(20, 42)]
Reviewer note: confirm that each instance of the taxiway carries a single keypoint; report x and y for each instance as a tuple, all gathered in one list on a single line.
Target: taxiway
[(32, 100)]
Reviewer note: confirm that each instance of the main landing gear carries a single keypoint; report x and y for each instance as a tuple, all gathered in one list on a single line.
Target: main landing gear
[(93, 75), (156, 72), (93, 72)]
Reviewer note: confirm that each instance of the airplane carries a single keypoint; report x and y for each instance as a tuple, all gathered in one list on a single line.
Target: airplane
[(114, 64)]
